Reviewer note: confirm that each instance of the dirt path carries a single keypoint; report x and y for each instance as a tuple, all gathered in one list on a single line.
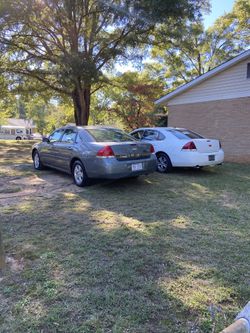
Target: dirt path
[(45, 183)]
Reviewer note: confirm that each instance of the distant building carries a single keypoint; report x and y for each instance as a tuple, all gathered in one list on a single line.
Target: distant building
[(17, 129), (216, 104), (27, 123)]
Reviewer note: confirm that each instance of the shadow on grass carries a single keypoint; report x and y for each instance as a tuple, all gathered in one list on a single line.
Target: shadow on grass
[(163, 253), (86, 278), (126, 256)]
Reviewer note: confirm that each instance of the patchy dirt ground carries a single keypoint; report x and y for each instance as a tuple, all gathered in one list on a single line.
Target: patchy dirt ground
[(41, 184), (19, 181)]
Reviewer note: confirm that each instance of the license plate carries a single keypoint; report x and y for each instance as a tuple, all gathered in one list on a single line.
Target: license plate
[(211, 157), (137, 167)]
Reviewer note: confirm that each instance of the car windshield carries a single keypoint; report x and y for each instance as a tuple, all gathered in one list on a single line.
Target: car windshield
[(109, 135), (185, 134)]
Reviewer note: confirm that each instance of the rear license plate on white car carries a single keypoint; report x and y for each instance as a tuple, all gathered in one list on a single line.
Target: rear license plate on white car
[(211, 157), (137, 167)]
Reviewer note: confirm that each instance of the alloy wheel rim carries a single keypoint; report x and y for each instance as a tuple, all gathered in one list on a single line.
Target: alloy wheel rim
[(78, 174), (162, 163), (36, 161)]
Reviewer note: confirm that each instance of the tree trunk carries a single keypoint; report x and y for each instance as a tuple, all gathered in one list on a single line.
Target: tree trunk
[(2, 257), (199, 64), (81, 100)]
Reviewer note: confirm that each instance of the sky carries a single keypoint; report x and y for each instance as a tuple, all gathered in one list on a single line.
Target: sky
[(218, 8)]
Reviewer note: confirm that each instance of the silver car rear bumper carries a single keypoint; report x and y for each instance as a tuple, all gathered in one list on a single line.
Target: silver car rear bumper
[(111, 168)]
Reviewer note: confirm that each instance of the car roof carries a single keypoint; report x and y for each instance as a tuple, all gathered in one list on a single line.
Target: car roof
[(86, 127), (159, 128)]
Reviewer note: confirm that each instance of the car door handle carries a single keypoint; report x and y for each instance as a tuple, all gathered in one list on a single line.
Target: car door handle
[(70, 148)]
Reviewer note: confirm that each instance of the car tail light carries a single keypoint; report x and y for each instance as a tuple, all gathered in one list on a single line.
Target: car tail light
[(189, 146), (107, 151), (152, 150)]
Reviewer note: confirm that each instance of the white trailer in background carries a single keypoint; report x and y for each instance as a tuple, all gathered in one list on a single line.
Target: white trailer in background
[(10, 132), (17, 129)]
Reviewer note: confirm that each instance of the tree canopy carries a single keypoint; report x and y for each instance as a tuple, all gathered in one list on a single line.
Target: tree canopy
[(67, 45), (131, 99), (191, 50)]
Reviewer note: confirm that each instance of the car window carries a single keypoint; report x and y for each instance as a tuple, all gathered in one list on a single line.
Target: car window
[(185, 134), (78, 138), (109, 135), (137, 135), (161, 136), (54, 137), (150, 135), (69, 136), (153, 135), (19, 131)]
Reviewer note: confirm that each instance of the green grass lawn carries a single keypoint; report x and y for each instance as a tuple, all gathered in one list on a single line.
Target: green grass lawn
[(164, 253)]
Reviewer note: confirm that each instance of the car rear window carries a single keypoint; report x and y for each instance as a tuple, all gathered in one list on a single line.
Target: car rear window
[(185, 134), (109, 135)]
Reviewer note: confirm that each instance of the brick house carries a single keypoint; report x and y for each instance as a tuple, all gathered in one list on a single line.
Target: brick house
[(217, 105)]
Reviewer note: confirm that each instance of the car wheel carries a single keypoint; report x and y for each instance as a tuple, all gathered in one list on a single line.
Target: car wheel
[(18, 138), (163, 163), (37, 161), (79, 174)]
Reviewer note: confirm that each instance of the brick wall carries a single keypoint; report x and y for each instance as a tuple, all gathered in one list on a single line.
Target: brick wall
[(227, 120)]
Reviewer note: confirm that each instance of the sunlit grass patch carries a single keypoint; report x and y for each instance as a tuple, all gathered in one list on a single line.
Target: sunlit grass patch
[(181, 222)]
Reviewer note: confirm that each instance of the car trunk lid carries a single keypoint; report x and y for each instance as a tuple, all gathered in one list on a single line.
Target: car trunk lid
[(207, 145), (129, 150)]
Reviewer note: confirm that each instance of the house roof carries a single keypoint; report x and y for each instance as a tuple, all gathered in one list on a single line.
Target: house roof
[(203, 77), (20, 122)]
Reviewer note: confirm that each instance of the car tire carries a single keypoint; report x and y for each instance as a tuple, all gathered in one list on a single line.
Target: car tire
[(164, 164), (37, 161), (79, 174), (18, 138)]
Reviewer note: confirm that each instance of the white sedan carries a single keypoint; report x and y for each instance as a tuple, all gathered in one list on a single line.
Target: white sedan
[(179, 147)]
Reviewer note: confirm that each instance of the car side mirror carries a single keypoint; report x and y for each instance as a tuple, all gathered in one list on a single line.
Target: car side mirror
[(46, 139)]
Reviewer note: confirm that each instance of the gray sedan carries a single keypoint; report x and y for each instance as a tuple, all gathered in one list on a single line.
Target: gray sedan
[(94, 152)]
